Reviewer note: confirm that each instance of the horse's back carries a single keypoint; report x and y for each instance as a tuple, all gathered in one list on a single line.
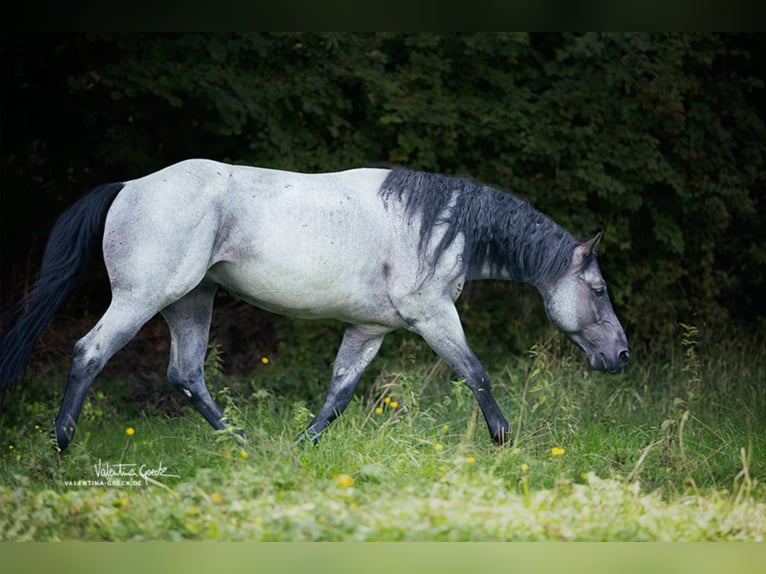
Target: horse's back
[(221, 204)]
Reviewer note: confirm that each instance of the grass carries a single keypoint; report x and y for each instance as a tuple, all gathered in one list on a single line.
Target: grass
[(671, 450)]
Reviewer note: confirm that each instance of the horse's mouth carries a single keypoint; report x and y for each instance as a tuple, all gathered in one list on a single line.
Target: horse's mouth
[(598, 360), (600, 363)]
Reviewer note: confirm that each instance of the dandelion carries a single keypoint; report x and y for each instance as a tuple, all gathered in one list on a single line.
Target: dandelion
[(442, 468), (38, 429), (443, 479), (387, 400), (130, 431), (243, 453), (344, 480), (11, 447), (124, 501), (524, 467), (265, 360), (438, 446), (470, 460), (445, 427), (556, 451), (393, 404), (378, 410), (216, 498)]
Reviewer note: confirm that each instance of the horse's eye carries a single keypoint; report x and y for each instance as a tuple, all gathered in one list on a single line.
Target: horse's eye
[(599, 291)]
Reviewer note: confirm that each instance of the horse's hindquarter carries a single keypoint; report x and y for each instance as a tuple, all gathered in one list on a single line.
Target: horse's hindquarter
[(160, 231), (307, 245)]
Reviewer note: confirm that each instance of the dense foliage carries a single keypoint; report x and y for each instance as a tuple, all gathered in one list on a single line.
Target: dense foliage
[(658, 138)]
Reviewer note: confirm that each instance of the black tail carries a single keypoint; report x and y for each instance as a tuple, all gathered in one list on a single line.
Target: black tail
[(74, 237)]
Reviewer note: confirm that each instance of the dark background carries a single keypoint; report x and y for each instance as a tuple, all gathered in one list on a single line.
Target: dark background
[(656, 138)]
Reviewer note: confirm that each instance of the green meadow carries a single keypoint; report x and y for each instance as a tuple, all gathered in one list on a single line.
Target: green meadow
[(670, 450)]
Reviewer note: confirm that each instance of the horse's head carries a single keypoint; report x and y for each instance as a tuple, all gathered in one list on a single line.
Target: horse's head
[(578, 305)]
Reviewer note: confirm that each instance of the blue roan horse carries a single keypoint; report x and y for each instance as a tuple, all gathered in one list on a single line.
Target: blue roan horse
[(380, 249)]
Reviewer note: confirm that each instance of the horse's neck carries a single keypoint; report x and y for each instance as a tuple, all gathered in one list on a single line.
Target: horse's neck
[(531, 252)]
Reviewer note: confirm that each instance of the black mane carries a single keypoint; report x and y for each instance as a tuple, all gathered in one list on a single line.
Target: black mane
[(500, 229)]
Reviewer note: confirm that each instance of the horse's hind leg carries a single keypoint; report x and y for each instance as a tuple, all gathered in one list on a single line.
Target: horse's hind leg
[(116, 327), (189, 322)]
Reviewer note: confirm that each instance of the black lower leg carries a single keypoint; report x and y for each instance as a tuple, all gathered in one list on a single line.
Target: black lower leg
[(71, 406), (357, 350), (336, 402), (498, 427)]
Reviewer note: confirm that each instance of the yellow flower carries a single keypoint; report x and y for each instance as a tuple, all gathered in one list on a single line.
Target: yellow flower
[(387, 400), (438, 446), (265, 360), (470, 460), (556, 451), (130, 431), (124, 501), (378, 410), (393, 404), (524, 467), (445, 427), (243, 453), (216, 498), (443, 479), (10, 446), (344, 480)]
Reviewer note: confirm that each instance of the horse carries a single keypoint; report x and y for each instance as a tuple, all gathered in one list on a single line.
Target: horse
[(377, 248)]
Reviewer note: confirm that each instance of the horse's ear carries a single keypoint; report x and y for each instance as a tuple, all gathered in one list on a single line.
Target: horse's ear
[(585, 250)]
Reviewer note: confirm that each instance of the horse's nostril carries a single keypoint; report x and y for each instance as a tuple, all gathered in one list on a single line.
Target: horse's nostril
[(623, 356)]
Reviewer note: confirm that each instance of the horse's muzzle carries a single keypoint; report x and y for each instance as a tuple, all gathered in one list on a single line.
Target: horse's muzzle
[(612, 366)]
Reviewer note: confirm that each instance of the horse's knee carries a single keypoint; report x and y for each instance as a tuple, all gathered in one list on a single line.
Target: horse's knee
[(478, 380), (188, 383)]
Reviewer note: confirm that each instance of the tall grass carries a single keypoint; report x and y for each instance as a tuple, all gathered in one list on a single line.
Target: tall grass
[(672, 449)]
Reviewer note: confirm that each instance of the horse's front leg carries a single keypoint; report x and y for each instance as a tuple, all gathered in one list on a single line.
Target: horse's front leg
[(360, 345), (444, 333)]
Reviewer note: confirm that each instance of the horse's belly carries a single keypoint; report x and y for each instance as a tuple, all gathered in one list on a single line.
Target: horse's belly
[(308, 292)]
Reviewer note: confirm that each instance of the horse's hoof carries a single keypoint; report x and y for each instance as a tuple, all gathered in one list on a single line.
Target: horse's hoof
[(307, 436), (62, 438), (503, 437)]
